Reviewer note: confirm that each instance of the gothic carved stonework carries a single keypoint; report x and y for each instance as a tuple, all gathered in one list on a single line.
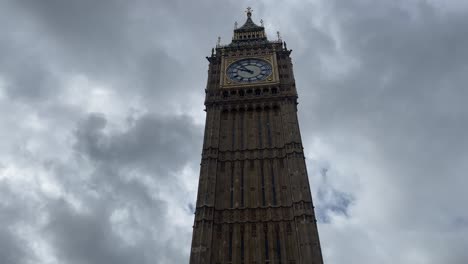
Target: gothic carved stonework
[(254, 203)]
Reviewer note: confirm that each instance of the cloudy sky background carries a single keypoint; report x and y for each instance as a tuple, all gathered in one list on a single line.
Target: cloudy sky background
[(101, 117)]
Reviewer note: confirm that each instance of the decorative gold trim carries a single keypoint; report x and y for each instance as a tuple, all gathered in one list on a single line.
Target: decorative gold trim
[(271, 79)]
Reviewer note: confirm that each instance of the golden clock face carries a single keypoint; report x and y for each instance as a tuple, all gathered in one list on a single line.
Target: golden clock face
[(249, 70)]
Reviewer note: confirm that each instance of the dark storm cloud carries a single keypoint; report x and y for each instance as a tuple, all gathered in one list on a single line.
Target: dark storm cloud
[(100, 147), (155, 143), (115, 209), (152, 146), (104, 195), (26, 75), (141, 48), (91, 34), (11, 246), (87, 238), (405, 92), (388, 97), (11, 249), (37, 84)]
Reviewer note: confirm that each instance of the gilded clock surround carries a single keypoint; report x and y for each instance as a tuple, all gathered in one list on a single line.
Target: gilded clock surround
[(228, 83)]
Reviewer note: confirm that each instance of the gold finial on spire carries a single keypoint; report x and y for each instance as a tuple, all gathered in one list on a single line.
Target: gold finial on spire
[(249, 11), (278, 34), (235, 25), (219, 42), (261, 22)]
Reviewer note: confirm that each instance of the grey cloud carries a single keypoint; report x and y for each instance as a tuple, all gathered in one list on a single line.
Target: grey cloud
[(23, 69), (86, 238), (12, 247), (382, 106), (85, 31), (150, 150), (92, 236), (396, 111), (153, 142), (329, 200), (31, 81), (143, 48), (113, 209)]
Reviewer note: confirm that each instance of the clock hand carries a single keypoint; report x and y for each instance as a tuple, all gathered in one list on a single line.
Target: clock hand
[(246, 70)]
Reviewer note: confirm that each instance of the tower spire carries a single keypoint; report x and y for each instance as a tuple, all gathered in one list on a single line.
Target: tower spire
[(249, 31), (249, 12)]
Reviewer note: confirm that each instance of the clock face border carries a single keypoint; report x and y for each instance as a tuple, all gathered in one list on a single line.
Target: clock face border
[(226, 82)]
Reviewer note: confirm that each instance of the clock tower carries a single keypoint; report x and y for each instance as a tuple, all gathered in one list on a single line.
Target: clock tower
[(254, 204)]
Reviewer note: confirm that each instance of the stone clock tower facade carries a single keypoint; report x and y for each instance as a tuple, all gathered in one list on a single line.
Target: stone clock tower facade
[(254, 204)]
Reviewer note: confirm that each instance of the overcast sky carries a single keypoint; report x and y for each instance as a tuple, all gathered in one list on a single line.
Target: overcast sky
[(101, 125)]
